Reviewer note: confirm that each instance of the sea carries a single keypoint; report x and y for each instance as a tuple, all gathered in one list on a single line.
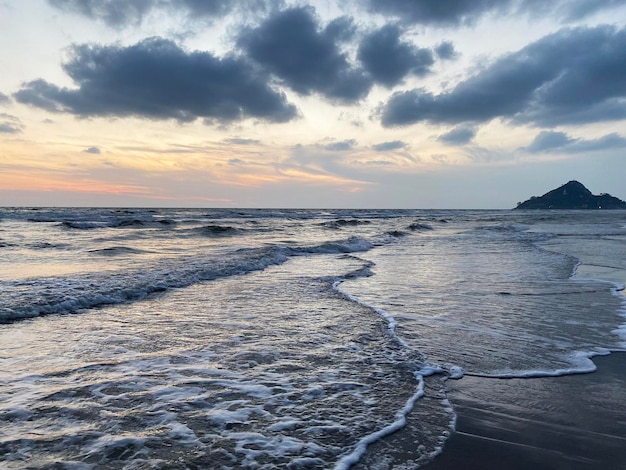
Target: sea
[(285, 339)]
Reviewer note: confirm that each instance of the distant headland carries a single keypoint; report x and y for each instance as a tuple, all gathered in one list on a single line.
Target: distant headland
[(572, 195)]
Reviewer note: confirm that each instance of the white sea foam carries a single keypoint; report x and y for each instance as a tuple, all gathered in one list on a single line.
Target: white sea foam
[(345, 462), (581, 360), (391, 322), (455, 372), (124, 446), (620, 331)]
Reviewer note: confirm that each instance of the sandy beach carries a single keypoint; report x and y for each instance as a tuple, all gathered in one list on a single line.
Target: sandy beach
[(570, 422)]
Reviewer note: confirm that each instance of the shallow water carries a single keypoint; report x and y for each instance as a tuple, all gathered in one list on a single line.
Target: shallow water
[(283, 339)]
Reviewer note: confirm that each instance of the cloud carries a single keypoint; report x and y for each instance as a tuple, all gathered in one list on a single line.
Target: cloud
[(156, 79), (120, 13), (573, 76), (112, 12), (292, 46), (588, 83), (460, 135), (93, 150), (4, 98), (569, 10), (446, 51), (341, 146), (10, 124), (389, 146), (440, 12), (341, 29), (240, 141), (476, 153), (607, 142), (374, 163), (221, 8), (351, 118), (440, 158), (552, 141), (8, 128), (389, 60), (549, 140), (445, 13)]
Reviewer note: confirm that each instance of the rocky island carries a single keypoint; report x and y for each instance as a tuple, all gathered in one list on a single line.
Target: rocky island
[(572, 195)]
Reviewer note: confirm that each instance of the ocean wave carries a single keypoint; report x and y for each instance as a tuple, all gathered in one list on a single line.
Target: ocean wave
[(419, 226), (80, 225), (54, 295), (116, 223), (396, 233), (349, 245), (60, 295), (217, 230), (39, 220), (46, 246), (341, 223), (118, 250), (503, 228), (141, 223)]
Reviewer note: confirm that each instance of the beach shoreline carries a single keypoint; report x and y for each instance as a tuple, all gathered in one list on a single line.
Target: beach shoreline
[(569, 422)]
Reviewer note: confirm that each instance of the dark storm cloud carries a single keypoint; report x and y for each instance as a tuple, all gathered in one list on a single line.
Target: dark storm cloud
[(437, 12), (220, 8), (118, 13), (457, 12), (341, 29), (389, 146), (293, 47), (460, 135), (549, 140), (607, 142), (552, 141), (158, 80), (568, 10), (446, 51), (573, 76), (579, 9), (342, 146), (92, 150), (10, 124), (389, 60)]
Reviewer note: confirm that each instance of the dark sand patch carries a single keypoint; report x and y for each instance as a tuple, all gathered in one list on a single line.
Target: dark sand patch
[(571, 422)]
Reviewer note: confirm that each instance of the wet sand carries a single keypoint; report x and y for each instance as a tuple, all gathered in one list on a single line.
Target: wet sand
[(571, 422)]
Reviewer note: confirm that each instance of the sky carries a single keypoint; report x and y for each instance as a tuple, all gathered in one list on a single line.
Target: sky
[(459, 104)]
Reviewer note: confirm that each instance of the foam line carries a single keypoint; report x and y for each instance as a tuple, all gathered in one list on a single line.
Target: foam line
[(353, 457), (400, 418), (391, 321), (350, 459)]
